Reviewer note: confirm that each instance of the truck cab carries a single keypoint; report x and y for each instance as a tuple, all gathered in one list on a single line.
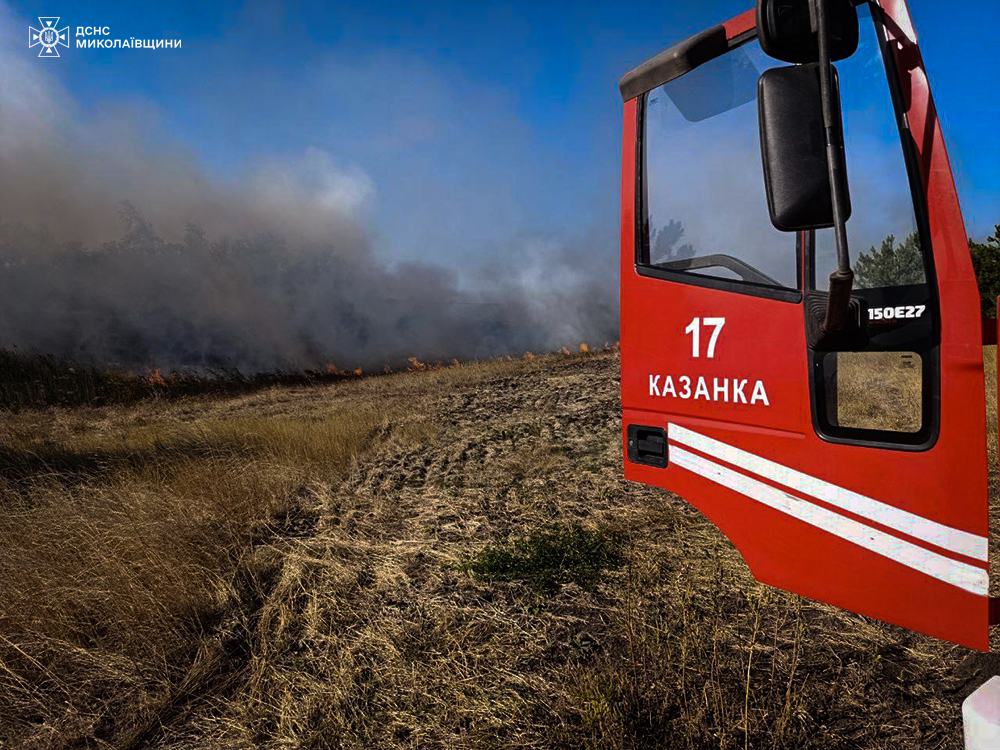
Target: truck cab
[(847, 461)]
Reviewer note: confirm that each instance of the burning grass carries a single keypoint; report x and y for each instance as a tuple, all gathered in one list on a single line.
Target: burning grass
[(446, 558), (36, 381)]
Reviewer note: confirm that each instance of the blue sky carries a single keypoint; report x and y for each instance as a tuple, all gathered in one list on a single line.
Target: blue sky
[(473, 122)]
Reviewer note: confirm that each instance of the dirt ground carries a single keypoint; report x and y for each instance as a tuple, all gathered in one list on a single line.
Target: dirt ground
[(368, 616), (373, 634)]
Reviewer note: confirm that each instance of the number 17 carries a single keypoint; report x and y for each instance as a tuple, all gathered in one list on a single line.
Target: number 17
[(694, 328)]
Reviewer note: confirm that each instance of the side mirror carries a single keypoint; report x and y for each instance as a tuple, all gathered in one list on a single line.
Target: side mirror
[(793, 148), (786, 30)]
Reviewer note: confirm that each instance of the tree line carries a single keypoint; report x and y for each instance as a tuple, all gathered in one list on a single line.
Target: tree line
[(894, 264)]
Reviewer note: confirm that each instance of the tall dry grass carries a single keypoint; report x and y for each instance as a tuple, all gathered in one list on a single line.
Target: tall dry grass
[(879, 390), (123, 548), (139, 540)]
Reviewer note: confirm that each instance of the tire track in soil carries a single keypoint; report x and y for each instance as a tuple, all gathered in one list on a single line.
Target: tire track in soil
[(387, 539)]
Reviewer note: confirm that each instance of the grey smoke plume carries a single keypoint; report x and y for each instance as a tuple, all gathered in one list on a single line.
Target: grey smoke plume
[(116, 247)]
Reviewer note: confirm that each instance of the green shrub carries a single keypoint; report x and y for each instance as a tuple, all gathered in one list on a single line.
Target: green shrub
[(986, 262), (550, 556)]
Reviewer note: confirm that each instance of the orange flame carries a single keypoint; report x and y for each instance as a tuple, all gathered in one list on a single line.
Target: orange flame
[(584, 348), (529, 355), (332, 369), (155, 377), (416, 364)]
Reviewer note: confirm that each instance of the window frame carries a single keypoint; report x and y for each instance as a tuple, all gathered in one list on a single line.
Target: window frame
[(642, 249), (894, 340)]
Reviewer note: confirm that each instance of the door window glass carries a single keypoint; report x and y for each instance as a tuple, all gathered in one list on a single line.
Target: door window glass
[(704, 204), (876, 390), (882, 230), (885, 393)]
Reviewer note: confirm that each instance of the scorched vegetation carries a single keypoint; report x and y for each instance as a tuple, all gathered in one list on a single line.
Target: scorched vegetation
[(437, 559)]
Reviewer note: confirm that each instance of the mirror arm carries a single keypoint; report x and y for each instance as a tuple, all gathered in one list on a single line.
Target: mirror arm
[(841, 280)]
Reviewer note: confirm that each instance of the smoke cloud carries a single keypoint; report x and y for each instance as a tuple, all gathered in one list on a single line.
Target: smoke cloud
[(117, 247)]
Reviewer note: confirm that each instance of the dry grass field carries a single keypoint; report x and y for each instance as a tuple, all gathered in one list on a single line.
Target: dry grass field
[(879, 390), (441, 559)]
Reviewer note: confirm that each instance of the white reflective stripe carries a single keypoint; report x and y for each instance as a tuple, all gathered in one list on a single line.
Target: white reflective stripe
[(964, 576), (932, 532)]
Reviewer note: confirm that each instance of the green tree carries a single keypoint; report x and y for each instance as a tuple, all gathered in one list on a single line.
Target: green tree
[(890, 265), (986, 263)]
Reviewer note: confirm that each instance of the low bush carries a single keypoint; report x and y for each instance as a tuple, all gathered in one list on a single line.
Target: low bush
[(551, 556)]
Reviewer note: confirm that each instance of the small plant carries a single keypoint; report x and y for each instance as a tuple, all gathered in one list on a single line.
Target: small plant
[(550, 556)]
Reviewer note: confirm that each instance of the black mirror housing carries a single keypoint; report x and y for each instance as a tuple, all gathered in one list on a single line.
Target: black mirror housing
[(787, 32), (793, 148)]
